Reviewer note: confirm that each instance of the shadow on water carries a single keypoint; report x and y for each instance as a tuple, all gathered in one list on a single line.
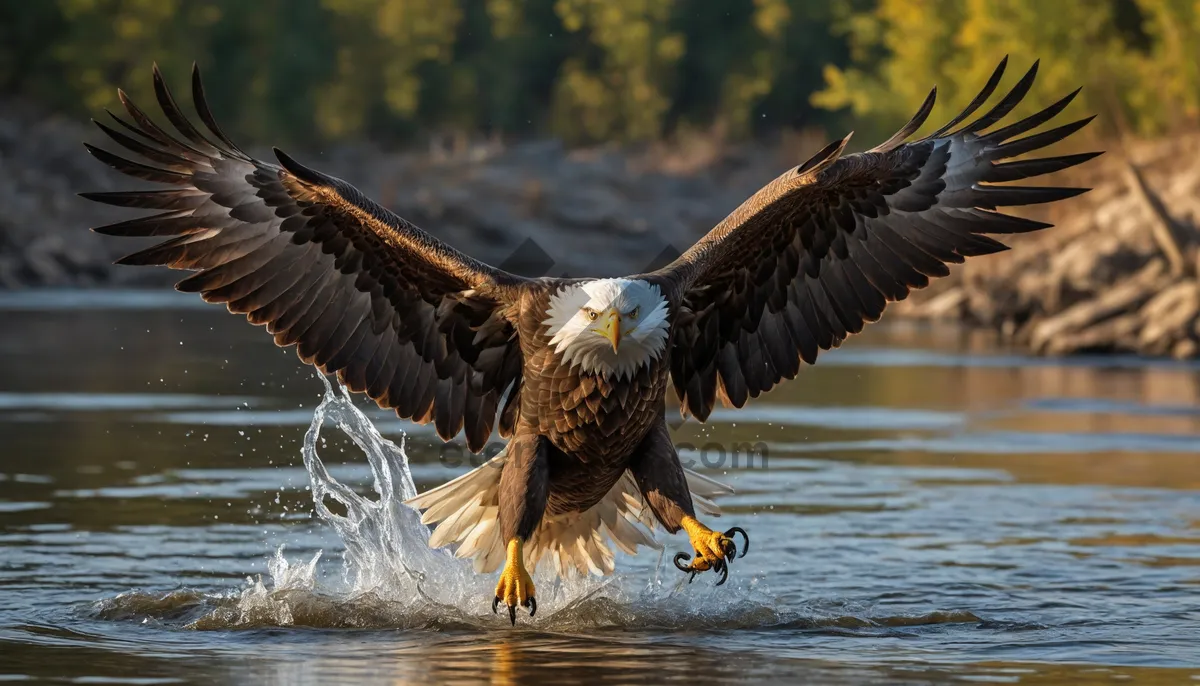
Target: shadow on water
[(932, 510)]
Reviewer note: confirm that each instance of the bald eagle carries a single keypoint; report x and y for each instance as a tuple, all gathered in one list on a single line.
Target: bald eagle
[(575, 372)]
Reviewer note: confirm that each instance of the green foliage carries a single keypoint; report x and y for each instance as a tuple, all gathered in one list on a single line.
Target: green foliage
[(585, 70), (598, 70), (1136, 59)]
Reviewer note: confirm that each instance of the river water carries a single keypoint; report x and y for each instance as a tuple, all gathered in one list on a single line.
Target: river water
[(924, 507)]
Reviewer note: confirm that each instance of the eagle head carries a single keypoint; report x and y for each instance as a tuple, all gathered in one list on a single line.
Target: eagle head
[(608, 326)]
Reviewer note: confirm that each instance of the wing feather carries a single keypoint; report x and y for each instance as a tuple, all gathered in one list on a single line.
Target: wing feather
[(358, 290), (820, 251)]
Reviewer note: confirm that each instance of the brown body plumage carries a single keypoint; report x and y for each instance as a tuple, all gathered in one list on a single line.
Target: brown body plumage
[(592, 422), (442, 338)]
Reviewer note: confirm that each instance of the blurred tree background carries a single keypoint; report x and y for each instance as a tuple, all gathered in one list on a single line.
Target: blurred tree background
[(601, 70)]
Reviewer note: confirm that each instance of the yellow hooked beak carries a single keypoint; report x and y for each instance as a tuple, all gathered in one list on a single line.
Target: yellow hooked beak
[(610, 327)]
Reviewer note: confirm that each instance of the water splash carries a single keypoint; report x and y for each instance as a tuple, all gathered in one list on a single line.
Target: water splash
[(386, 545), (387, 551), (391, 578)]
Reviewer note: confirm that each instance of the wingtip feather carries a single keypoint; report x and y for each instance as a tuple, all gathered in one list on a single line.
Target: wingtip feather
[(823, 157), (301, 172), (909, 128), (1006, 104), (200, 102)]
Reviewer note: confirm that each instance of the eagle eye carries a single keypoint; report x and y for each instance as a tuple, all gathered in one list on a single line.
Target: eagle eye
[(591, 314), (633, 314)]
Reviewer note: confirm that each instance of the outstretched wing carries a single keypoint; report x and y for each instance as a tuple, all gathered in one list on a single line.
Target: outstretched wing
[(821, 250), (398, 315)]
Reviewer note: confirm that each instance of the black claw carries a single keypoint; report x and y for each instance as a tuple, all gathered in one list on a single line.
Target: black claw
[(531, 603), (720, 567), (495, 604), (680, 558), (512, 614), (683, 557), (745, 536)]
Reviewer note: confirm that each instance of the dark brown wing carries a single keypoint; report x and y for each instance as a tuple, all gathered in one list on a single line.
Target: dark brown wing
[(822, 249), (398, 315)]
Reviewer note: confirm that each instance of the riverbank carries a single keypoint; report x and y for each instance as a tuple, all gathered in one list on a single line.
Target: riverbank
[(537, 208), (1117, 274)]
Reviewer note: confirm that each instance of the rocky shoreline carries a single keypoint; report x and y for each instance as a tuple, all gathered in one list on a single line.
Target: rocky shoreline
[(1118, 273), (536, 208)]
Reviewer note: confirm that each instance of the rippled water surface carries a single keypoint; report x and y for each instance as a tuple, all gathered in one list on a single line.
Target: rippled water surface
[(930, 509)]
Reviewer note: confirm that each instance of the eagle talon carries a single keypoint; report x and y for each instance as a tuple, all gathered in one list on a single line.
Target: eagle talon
[(515, 587), (722, 568), (679, 559), (714, 550), (702, 564), (745, 536)]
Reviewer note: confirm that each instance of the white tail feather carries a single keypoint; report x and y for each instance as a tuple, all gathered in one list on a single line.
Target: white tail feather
[(466, 511)]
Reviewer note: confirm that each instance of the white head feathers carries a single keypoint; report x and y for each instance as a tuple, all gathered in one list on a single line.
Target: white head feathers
[(579, 312)]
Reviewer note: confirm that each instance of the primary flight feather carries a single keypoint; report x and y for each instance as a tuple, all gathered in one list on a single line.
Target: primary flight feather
[(575, 371)]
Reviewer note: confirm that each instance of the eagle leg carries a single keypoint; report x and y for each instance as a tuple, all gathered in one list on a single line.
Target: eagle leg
[(515, 586), (661, 479), (524, 488)]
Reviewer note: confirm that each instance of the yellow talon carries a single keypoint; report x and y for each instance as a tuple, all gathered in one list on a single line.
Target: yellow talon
[(714, 549), (515, 586)]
